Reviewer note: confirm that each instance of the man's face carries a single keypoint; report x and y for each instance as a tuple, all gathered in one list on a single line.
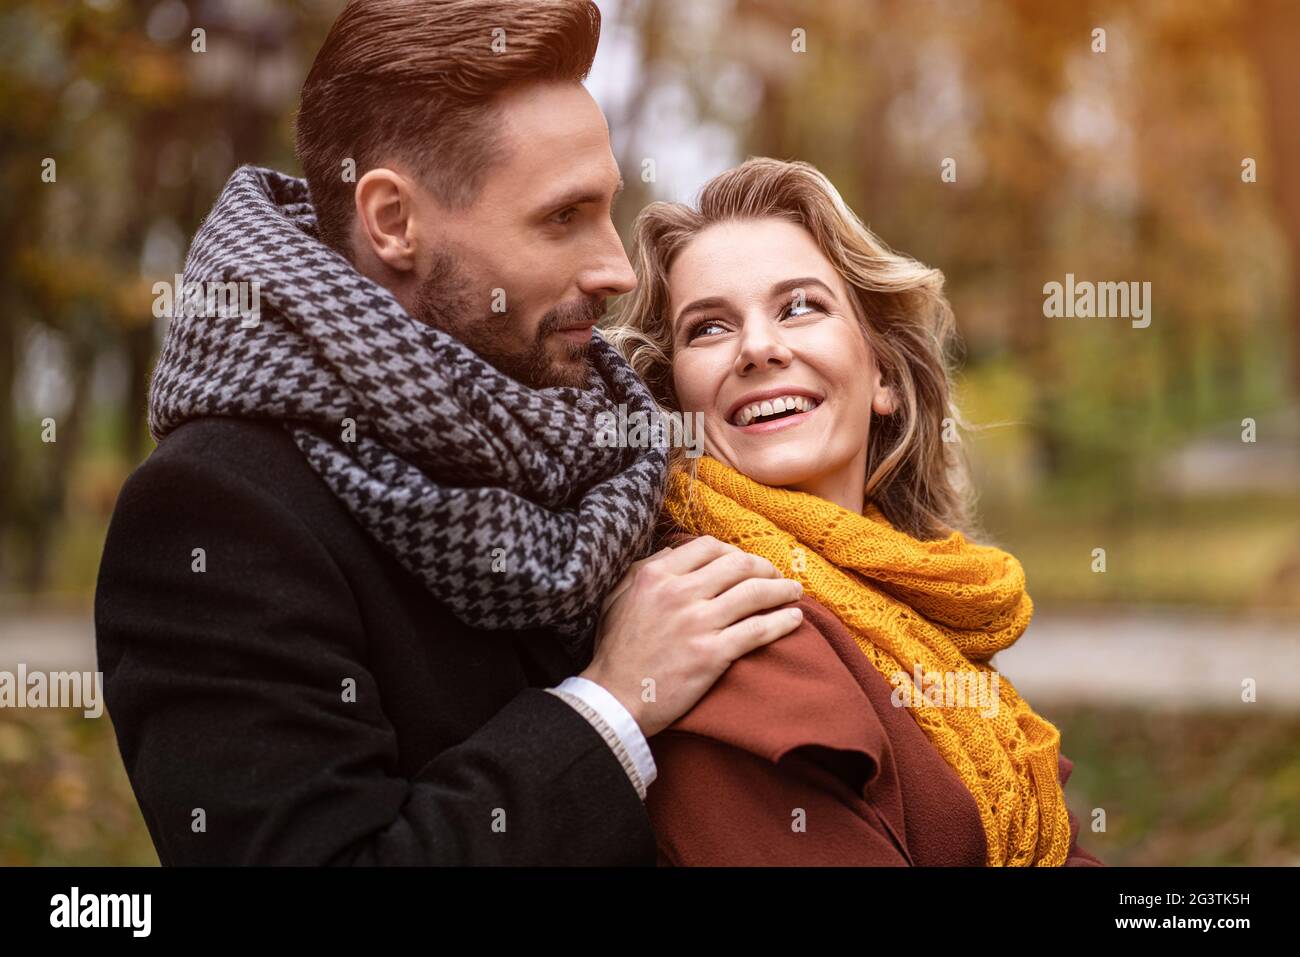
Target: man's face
[(521, 276)]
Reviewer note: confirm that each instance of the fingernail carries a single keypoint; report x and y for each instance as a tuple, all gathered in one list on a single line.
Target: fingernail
[(797, 613)]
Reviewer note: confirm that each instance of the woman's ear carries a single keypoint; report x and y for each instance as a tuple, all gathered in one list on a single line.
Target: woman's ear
[(883, 401)]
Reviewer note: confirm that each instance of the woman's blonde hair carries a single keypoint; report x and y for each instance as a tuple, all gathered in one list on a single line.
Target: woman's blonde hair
[(916, 478)]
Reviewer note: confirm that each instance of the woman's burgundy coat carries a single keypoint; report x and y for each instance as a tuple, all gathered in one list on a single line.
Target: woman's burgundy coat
[(806, 724)]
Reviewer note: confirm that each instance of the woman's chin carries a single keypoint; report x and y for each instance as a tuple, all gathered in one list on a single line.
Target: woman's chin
[(780, 468)]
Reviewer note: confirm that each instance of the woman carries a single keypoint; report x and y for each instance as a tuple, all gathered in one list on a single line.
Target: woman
[(816, 356)]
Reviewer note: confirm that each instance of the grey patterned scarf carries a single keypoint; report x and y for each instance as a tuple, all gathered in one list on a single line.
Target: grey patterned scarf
[(496, 496)]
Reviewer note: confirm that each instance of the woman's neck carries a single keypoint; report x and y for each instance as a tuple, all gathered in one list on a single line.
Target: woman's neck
[(846, 487)]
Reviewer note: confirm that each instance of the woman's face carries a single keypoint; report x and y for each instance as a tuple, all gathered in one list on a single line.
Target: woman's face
[(766, 344)]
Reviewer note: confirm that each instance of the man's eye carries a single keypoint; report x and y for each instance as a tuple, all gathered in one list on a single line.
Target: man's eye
[(562, 218)]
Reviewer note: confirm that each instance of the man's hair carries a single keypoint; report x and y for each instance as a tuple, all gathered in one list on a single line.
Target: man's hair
[(413, 81)]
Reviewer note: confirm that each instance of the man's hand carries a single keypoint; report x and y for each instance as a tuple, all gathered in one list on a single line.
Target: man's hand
[(680, 618)]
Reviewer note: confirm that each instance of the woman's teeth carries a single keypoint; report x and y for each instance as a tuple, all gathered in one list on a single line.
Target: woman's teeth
[(771, 408)]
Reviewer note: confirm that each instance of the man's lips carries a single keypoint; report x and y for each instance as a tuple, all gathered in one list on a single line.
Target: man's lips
[(580, 333)]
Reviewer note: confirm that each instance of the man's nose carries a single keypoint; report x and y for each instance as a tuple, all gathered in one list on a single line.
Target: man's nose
[(613, 275)]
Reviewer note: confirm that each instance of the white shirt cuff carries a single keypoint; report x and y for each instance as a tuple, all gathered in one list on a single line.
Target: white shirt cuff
[(618, 718)]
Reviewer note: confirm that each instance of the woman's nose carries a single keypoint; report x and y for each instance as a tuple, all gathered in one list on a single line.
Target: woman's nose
[(761, 346)]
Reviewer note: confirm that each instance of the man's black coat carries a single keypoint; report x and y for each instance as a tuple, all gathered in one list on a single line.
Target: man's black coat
[(229, 688)]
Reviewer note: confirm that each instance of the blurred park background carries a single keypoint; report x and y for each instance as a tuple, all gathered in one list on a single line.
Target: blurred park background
[(1170, 158)]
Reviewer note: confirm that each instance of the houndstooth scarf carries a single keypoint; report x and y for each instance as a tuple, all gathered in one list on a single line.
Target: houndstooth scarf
[(496, 496)]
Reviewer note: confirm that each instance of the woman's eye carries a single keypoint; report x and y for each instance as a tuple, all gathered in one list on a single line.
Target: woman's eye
[(706, 324), (803, 307)]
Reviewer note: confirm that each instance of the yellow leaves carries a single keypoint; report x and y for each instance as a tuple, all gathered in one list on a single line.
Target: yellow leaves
[(56, 281)]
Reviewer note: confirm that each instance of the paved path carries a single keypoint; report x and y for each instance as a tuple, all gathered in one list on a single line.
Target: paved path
[(1147, 659), (1182, 660), (47, 642)]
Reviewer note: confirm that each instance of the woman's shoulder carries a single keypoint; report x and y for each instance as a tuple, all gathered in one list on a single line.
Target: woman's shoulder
[(812, 687), (792, 693)]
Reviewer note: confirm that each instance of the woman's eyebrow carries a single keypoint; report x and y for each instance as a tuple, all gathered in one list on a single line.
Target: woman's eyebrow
[(708, 302), (789, 285), (784, 287)]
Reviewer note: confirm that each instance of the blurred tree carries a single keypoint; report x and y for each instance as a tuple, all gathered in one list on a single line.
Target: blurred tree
[(145, 126), (1272, 33)]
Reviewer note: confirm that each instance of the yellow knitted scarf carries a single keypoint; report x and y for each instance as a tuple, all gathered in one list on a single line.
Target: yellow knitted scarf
[(943, 607)]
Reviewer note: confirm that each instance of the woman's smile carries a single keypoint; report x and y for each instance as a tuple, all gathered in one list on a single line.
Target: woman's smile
[(773, 410)]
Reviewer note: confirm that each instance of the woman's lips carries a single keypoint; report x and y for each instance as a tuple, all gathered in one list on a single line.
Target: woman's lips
[(776, 425)]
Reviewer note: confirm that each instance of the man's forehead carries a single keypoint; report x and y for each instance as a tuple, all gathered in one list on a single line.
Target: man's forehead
[(554, 137), (559, 108)]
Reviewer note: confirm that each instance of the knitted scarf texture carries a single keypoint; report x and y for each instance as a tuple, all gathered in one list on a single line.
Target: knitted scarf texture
[(941, 607), (494, 495)]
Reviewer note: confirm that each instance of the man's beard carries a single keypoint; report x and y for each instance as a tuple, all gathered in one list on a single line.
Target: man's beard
[(445, 301)]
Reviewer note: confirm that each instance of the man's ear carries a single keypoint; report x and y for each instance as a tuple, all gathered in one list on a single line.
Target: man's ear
[(385, 212)]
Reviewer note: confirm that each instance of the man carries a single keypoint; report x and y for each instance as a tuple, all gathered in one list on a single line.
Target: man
[(346, 608)]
